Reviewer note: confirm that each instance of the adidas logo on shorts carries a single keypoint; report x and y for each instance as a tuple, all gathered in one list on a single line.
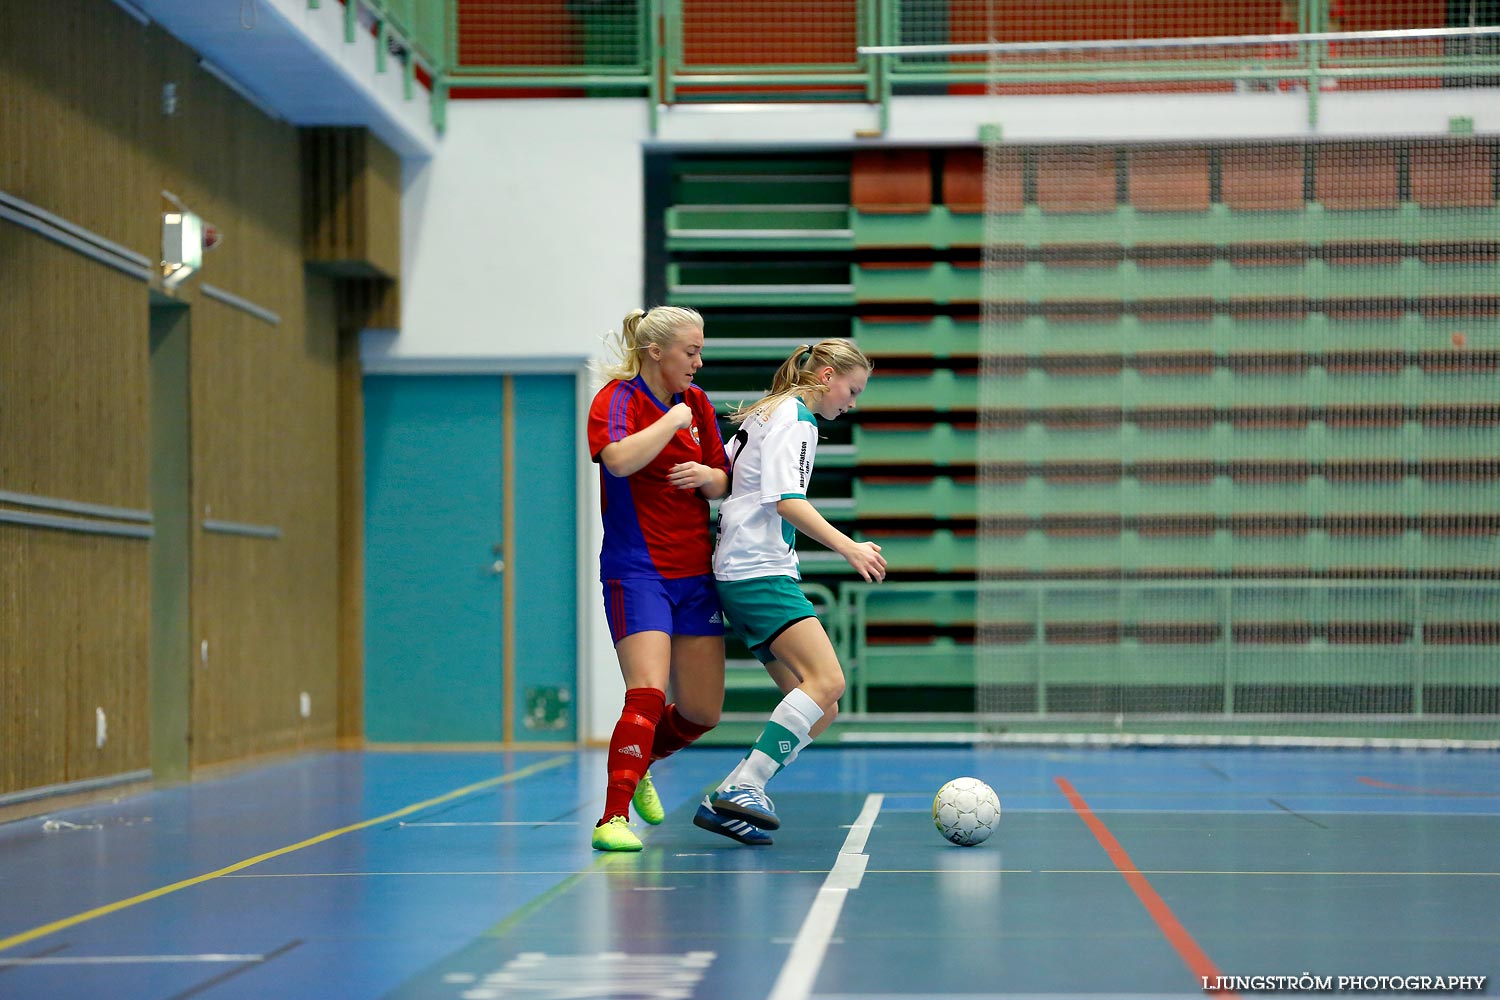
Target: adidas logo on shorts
[(717, 618)]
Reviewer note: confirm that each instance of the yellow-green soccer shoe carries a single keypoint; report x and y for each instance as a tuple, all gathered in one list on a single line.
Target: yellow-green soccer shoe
[(614, 834), (647, 803)]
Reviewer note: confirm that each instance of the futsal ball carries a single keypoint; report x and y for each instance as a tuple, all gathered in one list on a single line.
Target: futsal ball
[(965, 811)]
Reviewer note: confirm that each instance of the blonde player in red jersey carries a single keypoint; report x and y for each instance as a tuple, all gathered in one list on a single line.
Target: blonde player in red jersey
[(661, 459)]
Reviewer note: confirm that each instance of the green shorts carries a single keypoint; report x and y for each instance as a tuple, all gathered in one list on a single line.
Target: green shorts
[(760, 609)]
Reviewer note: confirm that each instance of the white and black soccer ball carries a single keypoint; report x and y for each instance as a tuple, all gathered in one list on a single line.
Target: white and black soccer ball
[(965, 811)]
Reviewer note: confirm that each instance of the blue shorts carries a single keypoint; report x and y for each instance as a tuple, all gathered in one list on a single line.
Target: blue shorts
[(688, 606)]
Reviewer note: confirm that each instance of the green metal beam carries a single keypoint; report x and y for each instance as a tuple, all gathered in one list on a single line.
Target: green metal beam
[(592, 80)]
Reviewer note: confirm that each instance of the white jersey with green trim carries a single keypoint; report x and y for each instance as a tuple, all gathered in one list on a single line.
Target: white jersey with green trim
[(770, 459)]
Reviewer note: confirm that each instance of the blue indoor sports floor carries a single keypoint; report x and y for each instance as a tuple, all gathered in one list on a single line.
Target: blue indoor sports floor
[(1113, 873)]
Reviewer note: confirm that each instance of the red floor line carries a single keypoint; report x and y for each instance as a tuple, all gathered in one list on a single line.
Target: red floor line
[(1420, 790), (1192, 955)]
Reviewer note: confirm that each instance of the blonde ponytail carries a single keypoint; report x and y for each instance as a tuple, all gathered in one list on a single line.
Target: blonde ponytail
[(799, 374)]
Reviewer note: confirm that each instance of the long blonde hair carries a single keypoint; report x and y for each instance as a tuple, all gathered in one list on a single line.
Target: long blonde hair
[(799, 374), (640, 330)]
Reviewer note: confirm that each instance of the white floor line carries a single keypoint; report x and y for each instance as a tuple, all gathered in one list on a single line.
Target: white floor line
[(801, 969), (127, 959)]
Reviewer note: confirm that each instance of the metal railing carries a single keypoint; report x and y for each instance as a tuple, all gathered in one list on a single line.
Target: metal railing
[(1411, 627), (684, 51), (410, 31)]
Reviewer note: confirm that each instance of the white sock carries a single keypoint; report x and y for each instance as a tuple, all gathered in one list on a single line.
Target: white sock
[(784, 736)]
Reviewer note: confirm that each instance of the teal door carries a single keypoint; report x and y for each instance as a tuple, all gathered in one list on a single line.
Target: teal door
[(470, 518)]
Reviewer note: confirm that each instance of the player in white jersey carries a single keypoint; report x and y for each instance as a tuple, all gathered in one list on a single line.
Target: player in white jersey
[(756, 570)]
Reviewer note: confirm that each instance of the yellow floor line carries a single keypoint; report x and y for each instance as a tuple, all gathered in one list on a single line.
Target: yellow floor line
[(712, 872), (118, 905)]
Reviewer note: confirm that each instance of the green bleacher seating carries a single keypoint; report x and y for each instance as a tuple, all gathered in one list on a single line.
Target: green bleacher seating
[(1223, 367)]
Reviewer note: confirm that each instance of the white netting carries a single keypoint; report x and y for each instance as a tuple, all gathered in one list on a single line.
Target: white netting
[(1237, 452)]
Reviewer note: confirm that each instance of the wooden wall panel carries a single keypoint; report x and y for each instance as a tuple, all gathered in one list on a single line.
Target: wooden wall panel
[(74, 614), (74, 359), (77, 90), (351, 707), (382, 181), (104, 585), (86, 138), (265, 443), (351, 203), (308, 510), (74, 425), (33, 698)]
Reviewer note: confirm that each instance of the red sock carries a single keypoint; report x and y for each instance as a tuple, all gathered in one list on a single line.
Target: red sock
[(674, 732), (630, 746)]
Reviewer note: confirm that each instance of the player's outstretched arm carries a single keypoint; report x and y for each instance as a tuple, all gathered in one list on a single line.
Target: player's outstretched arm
[(865, 557)]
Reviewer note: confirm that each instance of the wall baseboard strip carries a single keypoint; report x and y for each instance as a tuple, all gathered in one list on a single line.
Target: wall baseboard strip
[(245, 305), (248, 530), (74, 237), (74, 787), (78, 524), (75, 506)]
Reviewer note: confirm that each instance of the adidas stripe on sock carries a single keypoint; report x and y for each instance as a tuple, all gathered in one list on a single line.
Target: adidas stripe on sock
[(630, 746)]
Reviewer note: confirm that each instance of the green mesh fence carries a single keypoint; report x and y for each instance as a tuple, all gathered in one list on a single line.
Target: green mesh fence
[(705, 50), (560, 38)]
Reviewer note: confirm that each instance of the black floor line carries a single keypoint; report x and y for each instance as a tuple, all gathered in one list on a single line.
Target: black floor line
[(228, 974), (1295, 813)]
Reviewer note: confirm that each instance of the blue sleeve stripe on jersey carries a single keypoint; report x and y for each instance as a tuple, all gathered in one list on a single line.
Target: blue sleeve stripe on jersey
[(619, 404)]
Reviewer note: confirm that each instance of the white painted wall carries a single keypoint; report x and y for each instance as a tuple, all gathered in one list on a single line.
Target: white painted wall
[(521, 247), (522, 236)]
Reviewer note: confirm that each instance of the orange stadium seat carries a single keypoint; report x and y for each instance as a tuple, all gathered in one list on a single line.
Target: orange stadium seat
[(1356, 177), (1262, 179), (1174, 180), (963, 182), (892, 182), (1076, 180), (1452, 175)]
